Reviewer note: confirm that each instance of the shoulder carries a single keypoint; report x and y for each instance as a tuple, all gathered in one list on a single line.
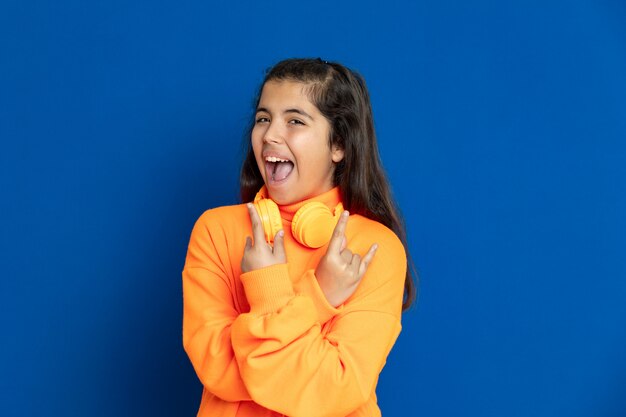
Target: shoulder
[(363, 232), (223, 215), (214, 233), (221, 221)]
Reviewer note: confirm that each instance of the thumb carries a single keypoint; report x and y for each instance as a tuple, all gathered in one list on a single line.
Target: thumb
[(279, 244)]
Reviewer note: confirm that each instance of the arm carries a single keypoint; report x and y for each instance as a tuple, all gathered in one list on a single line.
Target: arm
[(292, 365), (208, 313)]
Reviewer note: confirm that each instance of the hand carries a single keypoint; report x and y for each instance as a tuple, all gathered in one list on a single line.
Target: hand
[(340, 271), (261, 254)]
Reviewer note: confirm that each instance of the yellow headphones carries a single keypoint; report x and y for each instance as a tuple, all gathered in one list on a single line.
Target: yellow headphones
[(312, 225)]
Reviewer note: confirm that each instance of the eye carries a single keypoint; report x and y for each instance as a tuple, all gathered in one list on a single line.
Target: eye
[(262, 119), (296, 122)]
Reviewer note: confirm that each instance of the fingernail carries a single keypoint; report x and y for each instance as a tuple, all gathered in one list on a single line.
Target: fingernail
[(280, 233), (346, 213)]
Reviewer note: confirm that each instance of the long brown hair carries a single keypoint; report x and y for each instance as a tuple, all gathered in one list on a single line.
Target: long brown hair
[(341, 96)]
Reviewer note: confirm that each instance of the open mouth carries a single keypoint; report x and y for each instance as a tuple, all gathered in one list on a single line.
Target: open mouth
[(277, 169)]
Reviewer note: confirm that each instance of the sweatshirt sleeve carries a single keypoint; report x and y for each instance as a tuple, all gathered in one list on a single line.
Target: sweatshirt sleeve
[(293, 365), (208, 314)]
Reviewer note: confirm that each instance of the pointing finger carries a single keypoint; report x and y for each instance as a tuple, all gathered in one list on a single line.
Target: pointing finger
[(335, 245), (257, 227)]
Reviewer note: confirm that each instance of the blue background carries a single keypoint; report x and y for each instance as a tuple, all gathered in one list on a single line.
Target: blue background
[(502, 128)]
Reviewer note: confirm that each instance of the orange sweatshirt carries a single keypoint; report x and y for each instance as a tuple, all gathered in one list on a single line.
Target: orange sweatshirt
[(266, 342)]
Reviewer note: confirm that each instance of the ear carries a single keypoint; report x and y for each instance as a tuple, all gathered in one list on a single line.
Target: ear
[(337, 153)]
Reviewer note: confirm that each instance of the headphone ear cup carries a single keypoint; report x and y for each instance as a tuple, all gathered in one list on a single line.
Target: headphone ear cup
[(270, 218), (313, 224)]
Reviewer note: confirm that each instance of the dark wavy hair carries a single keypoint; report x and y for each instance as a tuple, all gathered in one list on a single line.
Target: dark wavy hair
[(341, 96)]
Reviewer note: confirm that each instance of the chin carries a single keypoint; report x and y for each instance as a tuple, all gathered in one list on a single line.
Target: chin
[(282, 198)]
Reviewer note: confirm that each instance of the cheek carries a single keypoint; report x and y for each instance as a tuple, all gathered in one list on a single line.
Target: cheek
[(256, 143), (255, 147), (315, 165), (256, 150), (254, 137)]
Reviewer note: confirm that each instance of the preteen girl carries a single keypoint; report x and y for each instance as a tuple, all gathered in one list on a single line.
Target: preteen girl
[(293, 301)]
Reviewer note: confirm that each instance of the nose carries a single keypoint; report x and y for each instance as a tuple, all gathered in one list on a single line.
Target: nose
[(273, 133)]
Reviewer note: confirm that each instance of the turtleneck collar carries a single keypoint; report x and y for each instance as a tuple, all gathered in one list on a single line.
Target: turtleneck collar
[(330, 198)]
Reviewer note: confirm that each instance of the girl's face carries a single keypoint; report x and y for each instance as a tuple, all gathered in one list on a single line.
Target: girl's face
[(291, 144)]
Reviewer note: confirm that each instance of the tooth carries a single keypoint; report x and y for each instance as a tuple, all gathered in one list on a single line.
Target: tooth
[(275, 159)]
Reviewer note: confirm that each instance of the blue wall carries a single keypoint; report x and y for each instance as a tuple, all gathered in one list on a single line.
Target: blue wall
[(502, 128)]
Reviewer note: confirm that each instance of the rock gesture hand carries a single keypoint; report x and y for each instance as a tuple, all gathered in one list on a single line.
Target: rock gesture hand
[(261, 254), (340, 271)]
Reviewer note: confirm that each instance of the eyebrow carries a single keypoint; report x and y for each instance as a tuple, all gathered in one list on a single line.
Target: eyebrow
[(292, 110)]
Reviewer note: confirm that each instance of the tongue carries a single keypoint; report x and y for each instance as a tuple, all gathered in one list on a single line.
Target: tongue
[(282, 170)]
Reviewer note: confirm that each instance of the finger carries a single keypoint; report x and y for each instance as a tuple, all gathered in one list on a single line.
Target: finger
[(257, 226), (355, 265), (346, 255), (338, 233), (370, 254), (279, 245), (367, 259), (344, 242), (356, 260)]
